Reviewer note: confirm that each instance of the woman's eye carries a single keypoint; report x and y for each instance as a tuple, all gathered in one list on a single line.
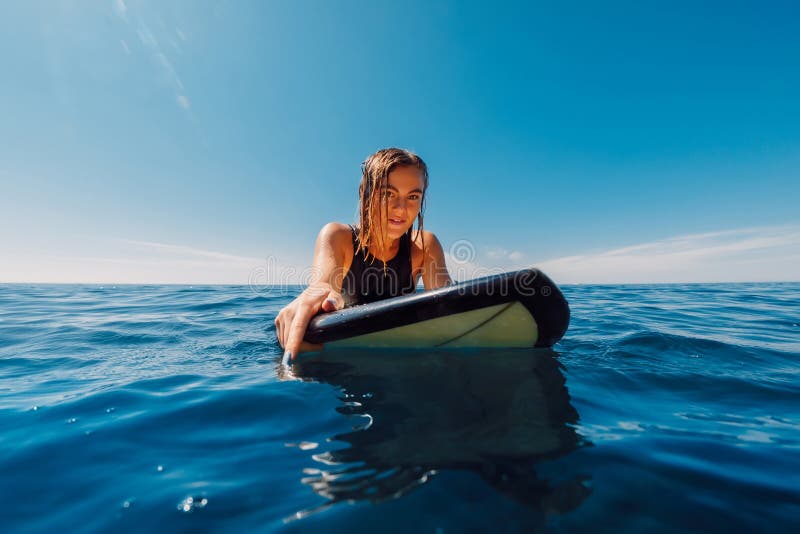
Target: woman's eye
[(389, 194)]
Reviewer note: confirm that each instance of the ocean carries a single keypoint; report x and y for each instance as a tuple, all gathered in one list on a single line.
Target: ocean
[(165, 408)]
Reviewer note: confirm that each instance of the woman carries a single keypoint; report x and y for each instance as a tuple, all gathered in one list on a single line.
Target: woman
[(381, 257)]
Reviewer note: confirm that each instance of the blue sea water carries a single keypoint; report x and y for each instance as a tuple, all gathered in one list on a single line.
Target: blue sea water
[(135, 408)]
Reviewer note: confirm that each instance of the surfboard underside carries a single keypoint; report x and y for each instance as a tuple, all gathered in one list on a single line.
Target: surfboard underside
[(504, 325)]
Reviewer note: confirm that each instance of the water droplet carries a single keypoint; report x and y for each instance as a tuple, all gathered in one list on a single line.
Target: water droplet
[(160, 468), (71, 420), (190, 504)]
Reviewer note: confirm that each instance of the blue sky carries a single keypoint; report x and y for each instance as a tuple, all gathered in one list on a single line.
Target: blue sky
[(207, 142)]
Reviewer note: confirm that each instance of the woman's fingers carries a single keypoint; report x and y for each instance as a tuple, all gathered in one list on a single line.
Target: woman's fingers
[(292, 321), (297, 330), (334, 301), (282, 334), (282, 323), (337, 299), (278, 329)]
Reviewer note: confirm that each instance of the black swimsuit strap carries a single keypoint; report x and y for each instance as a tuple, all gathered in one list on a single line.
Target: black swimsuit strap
[(403, 251), (368, 281)]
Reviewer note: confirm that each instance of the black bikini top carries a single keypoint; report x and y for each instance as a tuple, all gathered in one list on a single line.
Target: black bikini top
[(366, 281)]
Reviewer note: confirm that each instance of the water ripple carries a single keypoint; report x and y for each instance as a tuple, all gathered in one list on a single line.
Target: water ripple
[(164, 407)]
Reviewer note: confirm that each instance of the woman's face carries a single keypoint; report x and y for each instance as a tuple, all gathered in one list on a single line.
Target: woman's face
[(403, 200)]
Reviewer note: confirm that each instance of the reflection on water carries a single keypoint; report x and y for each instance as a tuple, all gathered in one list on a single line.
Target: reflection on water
[(494, 413)]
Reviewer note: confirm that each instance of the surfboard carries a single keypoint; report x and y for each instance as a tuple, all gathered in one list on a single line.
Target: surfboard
[(519, 309)]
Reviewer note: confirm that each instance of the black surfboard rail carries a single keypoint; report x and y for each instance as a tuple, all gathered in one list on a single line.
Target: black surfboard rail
[(531, 287)]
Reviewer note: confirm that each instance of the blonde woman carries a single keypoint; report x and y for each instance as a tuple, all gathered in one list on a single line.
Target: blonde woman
[(381, 256)]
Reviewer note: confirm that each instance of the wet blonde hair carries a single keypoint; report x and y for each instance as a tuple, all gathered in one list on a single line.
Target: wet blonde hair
[(374, 181)]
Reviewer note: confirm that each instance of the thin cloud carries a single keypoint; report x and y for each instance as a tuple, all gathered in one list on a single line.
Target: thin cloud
[(748, 254), (181, 250), (503, 254), (166, 70), (121, 8), (128, 261)]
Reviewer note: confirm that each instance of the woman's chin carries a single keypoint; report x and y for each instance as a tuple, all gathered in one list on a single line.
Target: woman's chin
[(392, 232), (396, 232)]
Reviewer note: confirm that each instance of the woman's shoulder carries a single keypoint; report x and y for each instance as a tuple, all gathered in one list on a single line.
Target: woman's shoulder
[(336, 233), (334, 227), (417, 235), (425, 238), (337, 237)]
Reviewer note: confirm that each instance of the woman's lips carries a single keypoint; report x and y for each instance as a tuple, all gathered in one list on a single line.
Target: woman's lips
[(396, 222)]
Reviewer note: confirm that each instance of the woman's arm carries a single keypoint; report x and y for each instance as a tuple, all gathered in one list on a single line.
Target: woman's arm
[(434, 267), (323, 292)]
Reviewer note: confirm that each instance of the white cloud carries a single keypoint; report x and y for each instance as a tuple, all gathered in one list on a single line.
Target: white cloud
[(749, 254), (503, 254), (125, 261)]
